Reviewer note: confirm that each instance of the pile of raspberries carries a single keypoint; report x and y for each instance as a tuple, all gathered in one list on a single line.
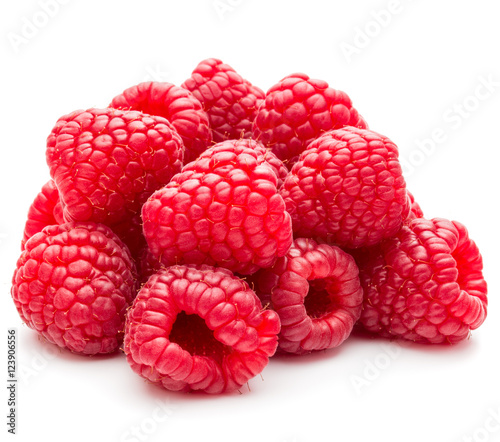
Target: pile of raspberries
[(203, 228)]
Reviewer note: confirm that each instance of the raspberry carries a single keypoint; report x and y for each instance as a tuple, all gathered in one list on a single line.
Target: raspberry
[(230, 101), (147, 263), (179, 106), (73, 284), (297, 110), (425, 284), (222, 209), (45, 210), (347, 189), (107, 162), (316, 291), (199, 328)]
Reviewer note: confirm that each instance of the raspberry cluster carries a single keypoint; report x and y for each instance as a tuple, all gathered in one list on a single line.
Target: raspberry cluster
[(203, 228)]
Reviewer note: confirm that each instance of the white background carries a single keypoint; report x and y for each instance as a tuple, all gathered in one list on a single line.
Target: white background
[(416, 76)]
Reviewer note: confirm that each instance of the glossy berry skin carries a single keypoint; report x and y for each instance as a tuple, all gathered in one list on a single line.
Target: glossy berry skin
[(223, 209), (227, 149), (45, 210), (425, 284), (299, 109), (73, 284), (199, 328), (316, 291), (347, 189), (179, 106), (230, 101), (107, 162)]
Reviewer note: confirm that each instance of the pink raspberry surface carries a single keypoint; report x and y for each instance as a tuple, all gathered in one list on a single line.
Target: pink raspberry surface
[(222, 209), (199, 328), (299, 109), (347, 189), (45, 210), (415, 209), (107, 162), (230, 101), (425, 284), (316, 291), (237, 147), (73, 284), (179, 106)]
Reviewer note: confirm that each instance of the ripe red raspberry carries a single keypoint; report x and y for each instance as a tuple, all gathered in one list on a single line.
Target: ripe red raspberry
[(45, 210), (146, 262), (222, 209), (315, 290), (297, 110), (425, 284), (73, 284), (199, 328), (230, 101), (107, 162), (179, 106), (347, 189)]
